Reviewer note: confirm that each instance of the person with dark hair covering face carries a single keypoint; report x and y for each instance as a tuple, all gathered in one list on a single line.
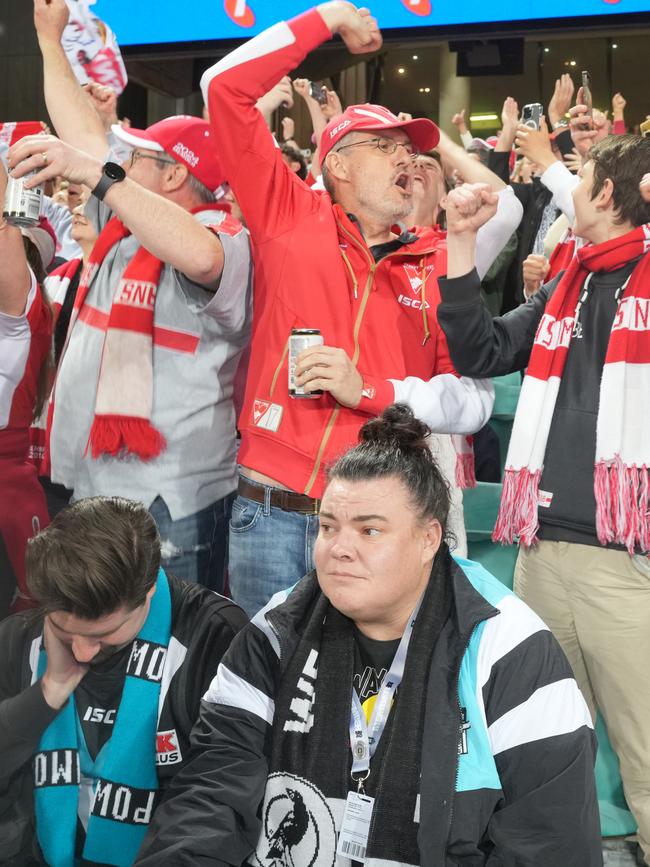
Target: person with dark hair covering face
[(393, 707), (99, 689)]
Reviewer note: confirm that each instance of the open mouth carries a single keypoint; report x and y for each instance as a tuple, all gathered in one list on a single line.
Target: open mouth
[(404, 181)]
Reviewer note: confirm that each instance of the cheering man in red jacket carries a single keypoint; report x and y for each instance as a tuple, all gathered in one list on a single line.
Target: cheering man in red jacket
[(344, 264)]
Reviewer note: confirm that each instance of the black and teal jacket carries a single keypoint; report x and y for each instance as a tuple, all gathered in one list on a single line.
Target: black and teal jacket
[(507, 754)]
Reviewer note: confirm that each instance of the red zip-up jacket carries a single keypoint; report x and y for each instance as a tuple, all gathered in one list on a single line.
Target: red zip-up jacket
[(313, 269)]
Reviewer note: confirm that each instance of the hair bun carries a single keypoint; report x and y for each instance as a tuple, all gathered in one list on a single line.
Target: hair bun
[(397, 427)]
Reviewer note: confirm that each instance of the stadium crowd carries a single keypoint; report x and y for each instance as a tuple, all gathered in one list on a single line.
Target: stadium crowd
[(242, 391)]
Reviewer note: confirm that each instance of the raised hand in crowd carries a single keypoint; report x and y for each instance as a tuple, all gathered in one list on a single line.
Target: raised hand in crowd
[(356, 27), (330, 369), (573, 161), (458, 121), (50, 19), (535, 268), (468, 207), (280, 94), (73, 116), (560, 102), (586, 130), (104, 101), (509, 124), (618, 106), (288, 129), (332, 107), (536, 145)]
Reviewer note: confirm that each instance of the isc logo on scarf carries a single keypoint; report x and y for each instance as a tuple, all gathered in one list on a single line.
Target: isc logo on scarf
[(168, 752)]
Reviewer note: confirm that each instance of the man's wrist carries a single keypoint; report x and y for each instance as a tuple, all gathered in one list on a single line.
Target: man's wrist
[(334, 14), (56, 694), (94, 174)]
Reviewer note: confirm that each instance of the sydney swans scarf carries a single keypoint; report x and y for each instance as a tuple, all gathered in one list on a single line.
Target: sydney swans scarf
[(123, 774), (123, 406), (621, 475)]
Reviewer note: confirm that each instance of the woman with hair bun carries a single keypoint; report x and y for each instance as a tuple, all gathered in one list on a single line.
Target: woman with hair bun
[(398, 706)]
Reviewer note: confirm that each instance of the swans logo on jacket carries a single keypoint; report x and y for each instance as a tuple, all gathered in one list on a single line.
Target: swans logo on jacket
[(415, 277)]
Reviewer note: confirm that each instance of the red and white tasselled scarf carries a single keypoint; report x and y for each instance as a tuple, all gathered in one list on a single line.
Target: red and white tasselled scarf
[(621, 472), (123, 405)]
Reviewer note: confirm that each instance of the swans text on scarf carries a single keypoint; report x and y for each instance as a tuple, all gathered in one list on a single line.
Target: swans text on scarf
[(553, 333), (633, 314), (137, 293)]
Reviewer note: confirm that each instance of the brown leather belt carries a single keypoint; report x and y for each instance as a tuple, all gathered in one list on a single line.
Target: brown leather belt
[(287, 500)]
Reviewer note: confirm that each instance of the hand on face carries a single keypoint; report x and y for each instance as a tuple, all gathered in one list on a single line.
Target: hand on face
[(328, 368), (63, 673)]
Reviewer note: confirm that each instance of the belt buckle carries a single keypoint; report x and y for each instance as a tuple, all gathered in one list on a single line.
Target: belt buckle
[(315, 506)]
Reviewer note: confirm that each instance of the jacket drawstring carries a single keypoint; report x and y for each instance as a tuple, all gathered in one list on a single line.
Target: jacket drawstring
[(425, 318)]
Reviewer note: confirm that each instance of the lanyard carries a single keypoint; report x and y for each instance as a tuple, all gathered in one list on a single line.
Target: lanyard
[(364, 738)]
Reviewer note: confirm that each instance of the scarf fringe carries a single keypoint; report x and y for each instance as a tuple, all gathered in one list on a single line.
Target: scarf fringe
[(517, 518), (119, 435), (622, 499), (465, 476)]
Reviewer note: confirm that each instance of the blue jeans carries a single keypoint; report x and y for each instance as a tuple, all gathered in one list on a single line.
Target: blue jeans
[(269, 550), (194, 548)]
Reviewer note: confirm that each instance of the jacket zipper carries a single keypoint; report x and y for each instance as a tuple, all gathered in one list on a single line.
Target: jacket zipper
[(357, 347), (460, 732), (274, 381), (355, 358)]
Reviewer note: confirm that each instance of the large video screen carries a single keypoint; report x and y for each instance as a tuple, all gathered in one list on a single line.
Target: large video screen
[(145, 22)]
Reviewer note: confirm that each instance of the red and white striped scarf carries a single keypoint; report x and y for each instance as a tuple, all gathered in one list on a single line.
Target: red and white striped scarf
[(621, 473), (123, 405)]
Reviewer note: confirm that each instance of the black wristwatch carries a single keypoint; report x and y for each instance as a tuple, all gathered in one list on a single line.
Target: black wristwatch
[(113, 174)]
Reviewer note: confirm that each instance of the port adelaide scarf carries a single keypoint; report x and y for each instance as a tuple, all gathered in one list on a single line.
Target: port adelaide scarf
[(123, 774), (309, 772), (622, 460)]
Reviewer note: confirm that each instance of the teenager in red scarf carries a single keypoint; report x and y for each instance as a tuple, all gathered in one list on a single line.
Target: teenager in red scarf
[(576, 487)]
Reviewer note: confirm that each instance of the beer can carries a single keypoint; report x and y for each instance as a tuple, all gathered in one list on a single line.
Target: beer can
[(22, 207), (301, 339)]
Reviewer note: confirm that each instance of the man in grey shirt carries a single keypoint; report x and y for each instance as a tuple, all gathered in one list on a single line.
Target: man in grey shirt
[(143, 403)]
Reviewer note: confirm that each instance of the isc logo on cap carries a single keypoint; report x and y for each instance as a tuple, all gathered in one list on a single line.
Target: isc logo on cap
[(338, 128), (168, 751)]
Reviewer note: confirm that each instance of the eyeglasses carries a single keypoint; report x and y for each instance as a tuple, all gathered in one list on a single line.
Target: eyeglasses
[(385, 145), (138, 155)]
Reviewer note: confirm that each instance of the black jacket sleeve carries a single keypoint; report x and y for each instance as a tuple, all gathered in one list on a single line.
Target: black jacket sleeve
[(545, 751), (24, 713), (210, 815), (479, 345)]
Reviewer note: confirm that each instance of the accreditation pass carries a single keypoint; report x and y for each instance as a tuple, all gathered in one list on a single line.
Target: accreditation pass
[(355, 827)]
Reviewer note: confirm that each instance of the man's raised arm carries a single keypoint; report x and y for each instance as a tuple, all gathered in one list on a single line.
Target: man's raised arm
[(74, 118), (268, 192)]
